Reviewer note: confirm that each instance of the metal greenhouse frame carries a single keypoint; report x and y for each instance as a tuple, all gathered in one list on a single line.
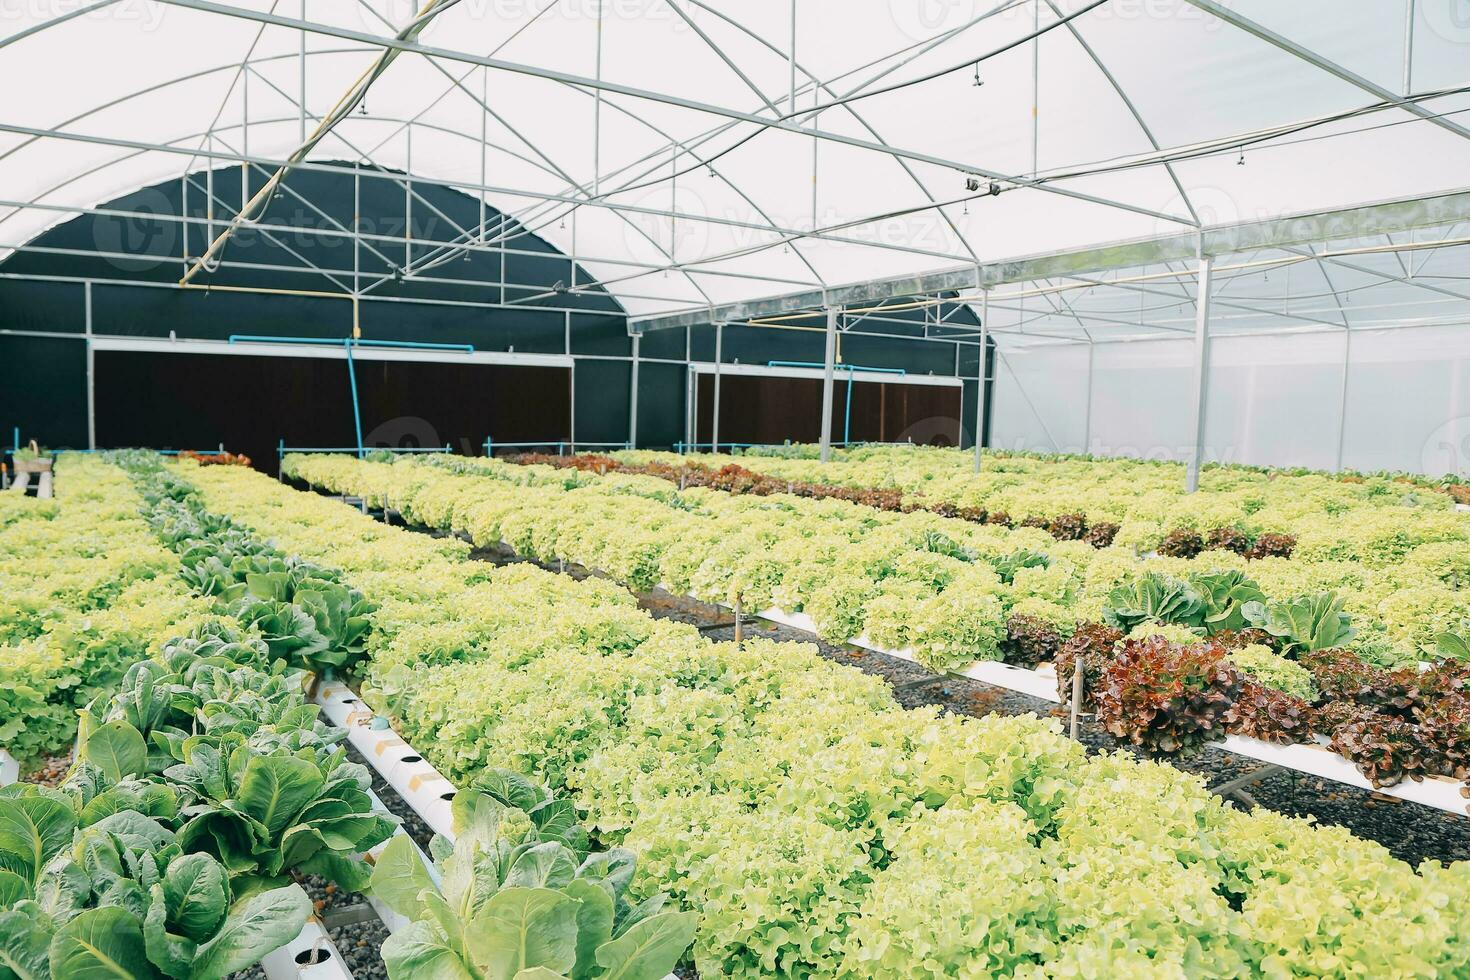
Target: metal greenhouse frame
[(793, 165)]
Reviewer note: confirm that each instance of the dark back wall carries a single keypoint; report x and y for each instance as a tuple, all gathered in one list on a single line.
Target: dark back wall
[(772, 410), (119, 272), (197, 401)]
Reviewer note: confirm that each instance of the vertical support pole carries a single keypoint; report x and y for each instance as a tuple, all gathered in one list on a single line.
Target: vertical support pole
[(1087, 414), (91, 369), (1201, 372), (739, 625), (484, 122), (688, 404), (301, 83), (597, 113), (1408, 46), (719, 356), (408, 197), (1347, 360), (828, 368), (633, 398), (209, 194), (244, 135), (981, 382), (1035, 88), (356, 251), (566, 344), (791, 64), (184, 213)]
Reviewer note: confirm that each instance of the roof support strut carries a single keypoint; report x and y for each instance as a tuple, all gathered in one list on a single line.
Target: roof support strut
[(343, 108)]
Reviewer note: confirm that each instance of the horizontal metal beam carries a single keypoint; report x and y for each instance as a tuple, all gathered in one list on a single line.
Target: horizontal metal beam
[(328, 350), (817, 374), (1383, 217)]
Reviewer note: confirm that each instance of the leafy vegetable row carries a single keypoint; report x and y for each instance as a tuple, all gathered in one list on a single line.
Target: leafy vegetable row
[(85, 591), (945, 587), (201, 784), (1377, 520), (268, 791), (819, 829), (1175, 662), (735, 478)]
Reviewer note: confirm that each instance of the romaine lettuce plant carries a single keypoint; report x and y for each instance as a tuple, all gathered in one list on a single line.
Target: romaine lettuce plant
[(119, 897), (1314, 622), (1154, 597), (510, 899)]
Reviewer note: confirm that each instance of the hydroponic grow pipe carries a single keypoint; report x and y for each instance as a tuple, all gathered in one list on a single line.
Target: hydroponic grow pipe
[(418, 783)]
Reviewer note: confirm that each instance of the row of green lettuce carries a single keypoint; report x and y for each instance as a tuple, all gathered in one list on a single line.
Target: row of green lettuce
[(206, 780), (86, 590), (943, 587), (201, 783), (1377, 521), (523, 888), (823, 831), (1229, 660)]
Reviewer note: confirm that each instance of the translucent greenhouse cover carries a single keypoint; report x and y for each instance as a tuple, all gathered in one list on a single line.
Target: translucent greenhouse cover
[(671, 146)]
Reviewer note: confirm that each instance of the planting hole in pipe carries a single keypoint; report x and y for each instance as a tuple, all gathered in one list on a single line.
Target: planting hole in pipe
[(413, 758), (449, 795), (313, 956), (349, 700)]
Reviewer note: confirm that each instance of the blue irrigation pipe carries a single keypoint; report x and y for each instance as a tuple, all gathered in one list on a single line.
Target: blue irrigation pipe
[(414, 345), (347, 341), (161, 452), (283, 450), (356, 408)]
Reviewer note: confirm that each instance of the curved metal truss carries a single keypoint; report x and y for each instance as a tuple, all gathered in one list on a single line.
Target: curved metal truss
[(685, 153)]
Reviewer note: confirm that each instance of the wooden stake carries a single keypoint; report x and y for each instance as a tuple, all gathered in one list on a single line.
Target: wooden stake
[(1076, 697)]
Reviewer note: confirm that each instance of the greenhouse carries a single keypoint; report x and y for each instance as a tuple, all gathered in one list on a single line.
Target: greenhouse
[(636, 489)]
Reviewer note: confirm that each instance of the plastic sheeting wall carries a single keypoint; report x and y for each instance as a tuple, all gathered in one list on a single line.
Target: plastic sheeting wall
[(1273, 400)]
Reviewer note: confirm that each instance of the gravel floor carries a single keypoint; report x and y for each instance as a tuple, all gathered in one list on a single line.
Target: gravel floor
[(50, 771)]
